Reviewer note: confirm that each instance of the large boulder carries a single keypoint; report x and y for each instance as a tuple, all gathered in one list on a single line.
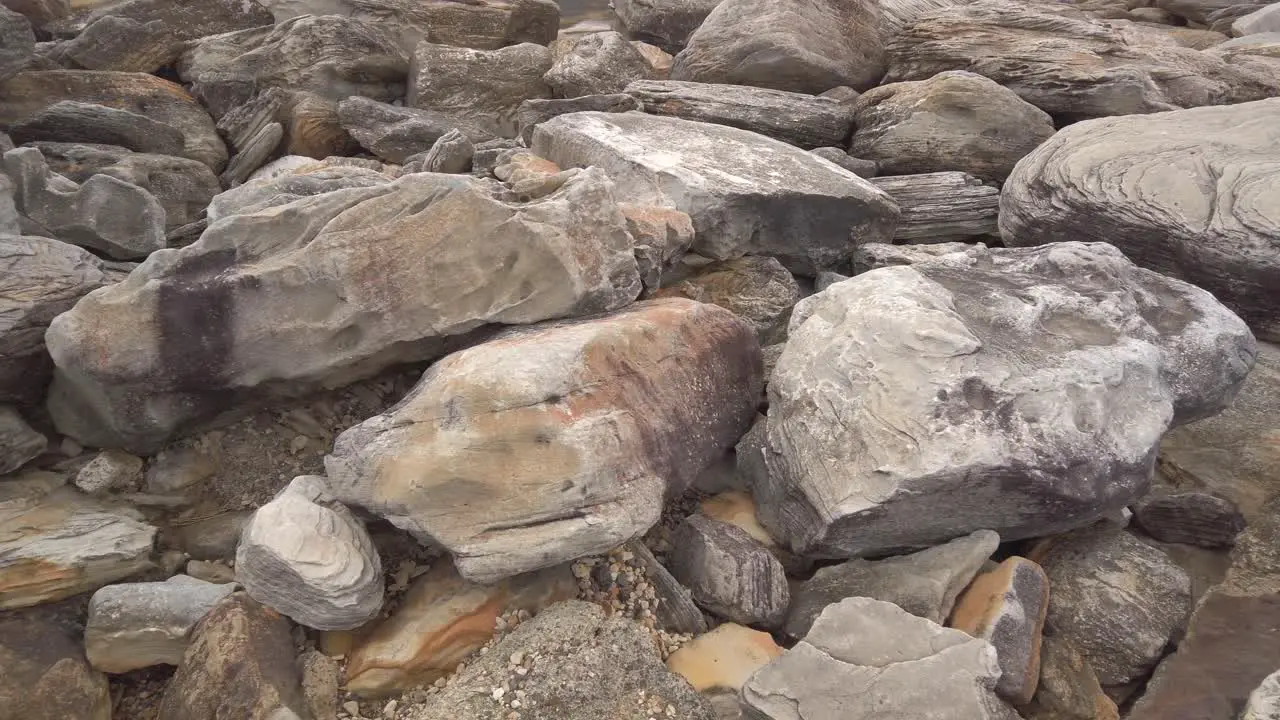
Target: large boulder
[(396, 134), (45, 675), (807, 46), (191, 20), (120, 44), (1140, 183), (597, 64), (17, 43), (664, 23), (955, 120), (137, 625), (1264, 19), (550, 443), (1067, 63), (485, 86), (746, 194), (1019, 390), (326, 289)]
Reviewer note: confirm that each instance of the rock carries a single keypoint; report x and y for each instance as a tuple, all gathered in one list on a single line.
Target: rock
[(924, 584), (450, 154), (123, 45), (745, 193), (942, 207), (1264, 702), (103, 213), (314, 129), (1006, 607), (1118, 599), (586, 667), (665, 23), (738, 509), (211, 538), (659, 60), (30, 93), (952, 439), (63, 543), (17, 43), (757, 289), (396, 134), (440, 622), (321, 679), (724, 658), (870, 659), (109, 470), (178, 470), (1206, 12), (239, 663), (597, 64), (1264, 19), (896, 15), (857, 166), (804, 120), (329, 56), (662, 236), (877, 255), (484, 86), (806, 46), (1219, 236), (827, 279), (190, 21), (306, 182), (729, 573), (586, 463), (493, 261), (18, 442), (676, 610), (40, 12), (1068, 688), (244, 122), (216, 572), (257, 150), (1194, 518), (955, 120), (137, 625), (45, 676), (309, 558), (76, 122), (532, 113)]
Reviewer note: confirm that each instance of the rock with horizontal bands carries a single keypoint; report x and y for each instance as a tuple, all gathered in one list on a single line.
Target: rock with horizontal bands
[(729, 573), (942, 207)]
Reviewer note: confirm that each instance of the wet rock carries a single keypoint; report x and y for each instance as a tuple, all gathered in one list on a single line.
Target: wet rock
[(1006, 607), (1217, 235), (602, 454), (857, 166), (1068, 688), (17, 43), (794, 45), (484, 86), (450, 154), (729, 573), (1194, 518), (597, 64), (746, 194), (757, 289), (942, 207), (18, 442), (136, 625), (955, 120), (724, 658), (924, 584), (45, 676), (662, 236), (440, 622), (665, 23), (109, 470), (396, 133), (532, 113)]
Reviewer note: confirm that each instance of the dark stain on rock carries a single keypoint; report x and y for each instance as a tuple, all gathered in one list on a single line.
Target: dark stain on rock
[(197, 322)]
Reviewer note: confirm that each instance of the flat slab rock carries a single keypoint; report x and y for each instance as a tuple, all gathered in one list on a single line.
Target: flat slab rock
[(938, 428), (746, 194), (136, 625), (942, 207)]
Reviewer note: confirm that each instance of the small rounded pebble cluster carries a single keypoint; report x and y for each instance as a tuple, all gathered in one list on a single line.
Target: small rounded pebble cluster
[(618, 582)]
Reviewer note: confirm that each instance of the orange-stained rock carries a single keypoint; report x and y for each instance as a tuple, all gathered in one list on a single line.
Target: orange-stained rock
[(662, 236), (443, 619), (1006, 607), (723, 658), (737, 508), (312, 128)]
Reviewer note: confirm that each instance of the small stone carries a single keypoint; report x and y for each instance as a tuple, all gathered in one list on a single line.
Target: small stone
[(108, 470), (352, 707), (211, 571)]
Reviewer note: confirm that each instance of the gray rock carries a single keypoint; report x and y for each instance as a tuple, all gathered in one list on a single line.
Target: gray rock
[(857, 166), (865, 659), (942, 207), (103, 213), (1194, 518), (321, 683), (924, 584), (746, 194), (1264, 19), (1130, 181), (76, 122), (1118, 599), (451, 153), (729, 573), (827, 279), (18, 442), (955, 120), (937, 434), (1264, 702), (662, 236), (109, 470), (245, 121), (39, 279), (1206, 12), (489, 155), (210, 538), (256, 151), (587, 462), (597, 64), (567, 254), (1007, 608), (877, 255), (256, 196), (532, 113), (45, 675), (17, 43), (308, 557), (178, 470), (122, 44), (137, 625), (484, 86), (676, 610), (40, 12), (189, 21), (396, 133), (807, 46), (665, 23), (758, 289), (805, 120), (895, 15)]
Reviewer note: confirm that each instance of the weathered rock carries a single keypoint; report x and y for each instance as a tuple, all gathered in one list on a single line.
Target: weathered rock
[(662, 236), (942, 207), (18, 442), (492, 261), (484, 86), (1068, 688), (857, 166), (17, 43), (123, 45), (729, 573), (746, 194), (311, 559), (806, 46), (397, 133), (179, 469), (440, 622), (190, 20), (321, 684), (239, 663), (257, 150), (1007, 607), (952, 439), (451, 153), (757, 289), (870, 659), (216, 571), (63, 543), (659, 60), (1065, 62), (45, 676), (490, 154), (244, 121), (895, 15), (1264, 702), (676, 610), (136, 625), (1133, 181), (665, 23), (924, 584), (955, 120), (602, 454), (77, 122), (1206, 12), (1118, 599), (109, 470), (805, 120), (40, 12), (587, 667), (211, 538), (103, 213), (306, 182), (1194, 518), (532, 113), (877, 255), (1264, 19), (738, 509), (724, 658), (314, 129), (597, 64)]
